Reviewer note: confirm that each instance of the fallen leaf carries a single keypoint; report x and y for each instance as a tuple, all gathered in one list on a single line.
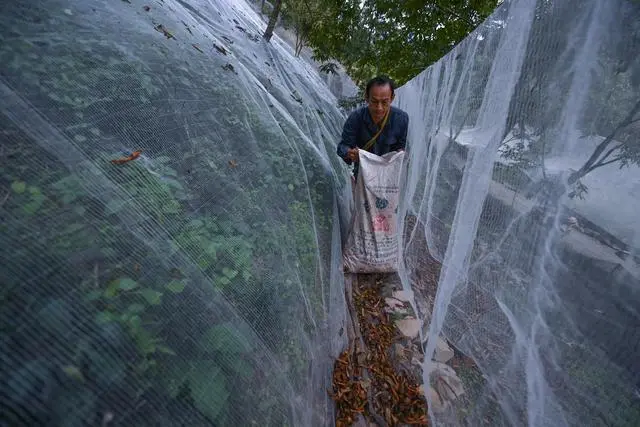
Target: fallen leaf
[(295, 95), (196, 47), (229, 67), (188, 29), (127, 159), (220, 49), (160, 28), (73, 372)]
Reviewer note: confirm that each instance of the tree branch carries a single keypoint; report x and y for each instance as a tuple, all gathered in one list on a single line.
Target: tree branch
[(600, 164), (603, 158), (634, 121), (588, 166), (452, 13)]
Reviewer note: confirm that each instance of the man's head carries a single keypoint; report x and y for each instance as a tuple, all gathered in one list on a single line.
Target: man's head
[(379, 94)]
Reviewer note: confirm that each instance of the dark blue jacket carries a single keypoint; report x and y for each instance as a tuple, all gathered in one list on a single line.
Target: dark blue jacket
[(359, 129)]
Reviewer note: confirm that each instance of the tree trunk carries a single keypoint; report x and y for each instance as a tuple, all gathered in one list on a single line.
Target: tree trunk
[(299, 42), (262, 6), (272, 20)]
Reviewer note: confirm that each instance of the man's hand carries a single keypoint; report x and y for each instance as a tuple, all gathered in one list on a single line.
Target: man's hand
[(352, 154)]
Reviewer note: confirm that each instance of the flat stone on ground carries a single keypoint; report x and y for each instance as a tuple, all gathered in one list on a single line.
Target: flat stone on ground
[(393, 304), (444, 353), (410, 327), (402, 295), (446, 386)]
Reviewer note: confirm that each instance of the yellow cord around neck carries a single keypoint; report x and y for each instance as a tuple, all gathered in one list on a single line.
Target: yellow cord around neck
[(372, 141)]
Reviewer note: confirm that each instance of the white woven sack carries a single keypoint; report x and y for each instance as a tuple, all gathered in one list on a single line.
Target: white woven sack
[(372, 245)]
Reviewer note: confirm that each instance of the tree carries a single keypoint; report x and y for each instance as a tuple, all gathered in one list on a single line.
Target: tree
[(611, 110), (273, 19), (301, 16), (621, 146), (400, 39)]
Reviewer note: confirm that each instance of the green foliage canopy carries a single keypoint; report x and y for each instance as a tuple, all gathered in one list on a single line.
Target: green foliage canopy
[(396, 38)]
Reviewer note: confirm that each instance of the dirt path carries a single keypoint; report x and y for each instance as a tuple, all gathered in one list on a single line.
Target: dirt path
[(377, 380)]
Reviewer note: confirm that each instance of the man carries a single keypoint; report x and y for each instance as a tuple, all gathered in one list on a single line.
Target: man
[(377, 127)]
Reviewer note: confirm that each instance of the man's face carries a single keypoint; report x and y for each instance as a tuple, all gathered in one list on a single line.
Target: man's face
[(379, 101)]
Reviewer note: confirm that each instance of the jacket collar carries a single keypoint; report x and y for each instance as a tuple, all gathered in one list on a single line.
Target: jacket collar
[(369, 121)]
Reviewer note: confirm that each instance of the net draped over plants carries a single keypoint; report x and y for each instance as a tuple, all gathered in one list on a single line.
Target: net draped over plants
[(524, 184), (172, 211), (195, 284)]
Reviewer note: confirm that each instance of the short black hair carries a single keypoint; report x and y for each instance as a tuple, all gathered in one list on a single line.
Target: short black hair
[(379, 81)]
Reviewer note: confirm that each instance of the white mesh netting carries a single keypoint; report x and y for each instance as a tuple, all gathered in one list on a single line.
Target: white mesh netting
[(196, 284), (523, 183), (201, 283)]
